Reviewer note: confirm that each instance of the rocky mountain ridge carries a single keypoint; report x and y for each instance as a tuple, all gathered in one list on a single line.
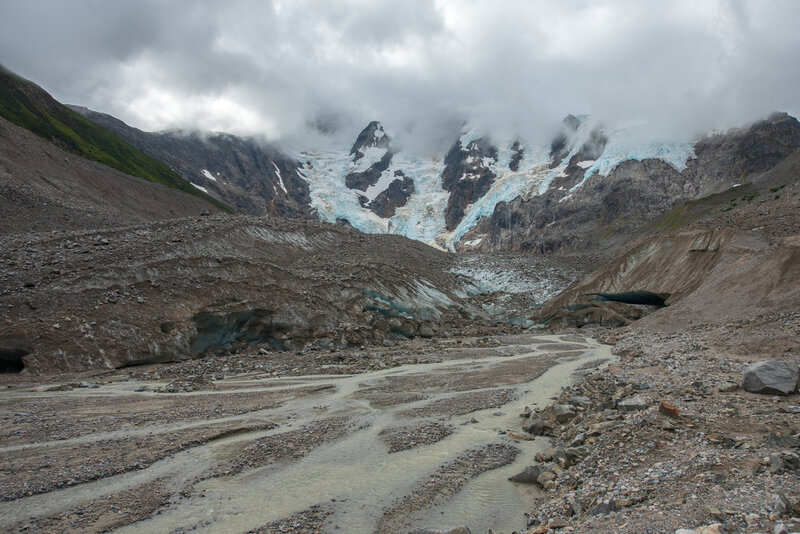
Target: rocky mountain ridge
[(46, 189), (588, 189), (252, 176), (603, 212), (27, 105)]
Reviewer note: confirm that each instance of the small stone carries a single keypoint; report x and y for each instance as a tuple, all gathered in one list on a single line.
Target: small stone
[(782, 505), (751, 519), (602, 508), (668, 409), (716, 513), (578, 440), (545, 477), (519, 437), (632, 404), (775, 464), (558, 522), (526, 412), (575, 506)]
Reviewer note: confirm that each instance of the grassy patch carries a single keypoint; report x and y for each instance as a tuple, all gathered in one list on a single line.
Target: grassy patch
[(30, 107)]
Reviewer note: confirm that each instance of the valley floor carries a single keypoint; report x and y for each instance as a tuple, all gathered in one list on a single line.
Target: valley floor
[(423, 435), (415, 437)]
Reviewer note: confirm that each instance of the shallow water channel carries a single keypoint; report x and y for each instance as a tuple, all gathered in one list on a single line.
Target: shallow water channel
[(354, 477)]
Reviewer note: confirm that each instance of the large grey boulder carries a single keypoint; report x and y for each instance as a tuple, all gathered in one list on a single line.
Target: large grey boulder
[(770, 377), (528, 476)]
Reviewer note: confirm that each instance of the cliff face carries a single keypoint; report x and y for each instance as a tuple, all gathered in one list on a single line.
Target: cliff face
[(372, 155), (600, 213), (254, 177), (467, 176)]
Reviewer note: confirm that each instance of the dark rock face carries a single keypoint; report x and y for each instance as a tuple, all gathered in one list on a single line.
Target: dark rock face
[(605, 211), (466, 176), (371, 136), (724, 159), (563, 142), (362, 180), (395, 196), (401, 188), (519, 152), (592, 149), (255, 178)]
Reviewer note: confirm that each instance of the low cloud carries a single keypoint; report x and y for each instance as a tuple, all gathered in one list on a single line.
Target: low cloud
[(514, 68)]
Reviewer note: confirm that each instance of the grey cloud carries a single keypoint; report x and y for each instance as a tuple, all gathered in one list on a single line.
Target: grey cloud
[(512, 67)]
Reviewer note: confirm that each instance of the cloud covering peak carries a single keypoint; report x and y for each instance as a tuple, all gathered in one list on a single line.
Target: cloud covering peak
[(512, 67)]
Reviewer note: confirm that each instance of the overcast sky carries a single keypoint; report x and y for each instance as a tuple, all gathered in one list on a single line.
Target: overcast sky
[(512, 67)]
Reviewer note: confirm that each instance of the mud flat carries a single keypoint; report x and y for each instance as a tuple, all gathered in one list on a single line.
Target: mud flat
[(276, 451)]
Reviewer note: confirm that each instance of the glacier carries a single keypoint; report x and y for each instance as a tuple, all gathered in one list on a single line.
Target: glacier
[(422, 218)]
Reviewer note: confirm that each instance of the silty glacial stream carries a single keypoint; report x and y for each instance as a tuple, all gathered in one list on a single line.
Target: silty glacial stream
[(453, 425)]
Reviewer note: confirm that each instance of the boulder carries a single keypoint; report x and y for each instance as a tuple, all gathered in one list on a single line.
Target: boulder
[(782, 505), (563, 412), (528, 476), (770, 377), (632, 404), (545, 477), (535, 426), (426, 331)]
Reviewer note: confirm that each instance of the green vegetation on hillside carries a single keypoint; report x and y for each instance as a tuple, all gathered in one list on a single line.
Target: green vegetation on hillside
[(29, 106)]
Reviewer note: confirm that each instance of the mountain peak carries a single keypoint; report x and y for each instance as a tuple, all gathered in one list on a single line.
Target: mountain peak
[(371, 136)]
